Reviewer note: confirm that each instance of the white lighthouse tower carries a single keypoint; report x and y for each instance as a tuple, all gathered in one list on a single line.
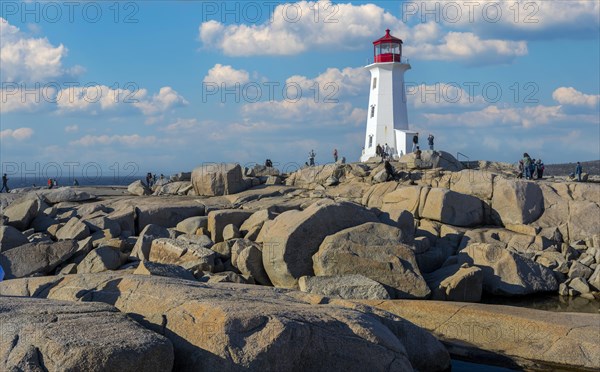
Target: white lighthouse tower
[(387, 117)]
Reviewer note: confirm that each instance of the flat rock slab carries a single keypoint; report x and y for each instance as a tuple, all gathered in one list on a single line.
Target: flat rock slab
[(233, 327), (527, 337), (36, 258), (50, 335)]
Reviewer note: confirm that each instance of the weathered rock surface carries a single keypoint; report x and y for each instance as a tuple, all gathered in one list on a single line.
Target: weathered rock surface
[(218, 179), (11, 238), (354, 286), (21, 212), (48, 335), (291, 240), (101, 259), (506, 273), (233, 327), (141, 249), (190, 225), (528, 338), (217, 220), (161, 269), (178, 252), (36, 258), (374, 250), (456, 283), (453, 208), (167, 215), (65, 194), (138, 188), (516, 201), (247, 257), (73, 229)]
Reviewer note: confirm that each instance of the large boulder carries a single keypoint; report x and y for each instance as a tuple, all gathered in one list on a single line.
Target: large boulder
[(217, 220), (376, 251), (405, 198), (167, 215), (354, 286), (507, 273), (102, 259), (161, 269), (453, 208), (473, 182), (21, 212), (65, 194), (11, 238), (291, 240), (246, 256), (141, 249), (507, 335), (456, 283), (190, 225), (73, 229), (218, 179), (227, 327), (178, 252), (138, 188), (517, 201), (36, 258), (583, 219), (48, 335)]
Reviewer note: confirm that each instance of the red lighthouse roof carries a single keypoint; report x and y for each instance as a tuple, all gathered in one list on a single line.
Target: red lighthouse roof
[(387, 49), (387, 38)]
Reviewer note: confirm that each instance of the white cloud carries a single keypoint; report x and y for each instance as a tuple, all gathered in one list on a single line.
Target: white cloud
[(166, 99), (19, 134), (28, 59), (573, 97), (99, 98), (352, 27), (228, 75), (72, 128), (19, 97), (333, 83), (333, 25), (125, 140), (516, 18), (467, 46), (526, 117)]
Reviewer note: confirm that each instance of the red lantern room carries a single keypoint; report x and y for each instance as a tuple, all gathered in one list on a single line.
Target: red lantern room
[(387, 48)]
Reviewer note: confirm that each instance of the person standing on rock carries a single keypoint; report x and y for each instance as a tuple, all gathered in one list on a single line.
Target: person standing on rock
[(578, 171), (540, 169), (415, 142), (49, 183), (4, 183), (335, 155), (388, 151), (430, 141), (418, 153), (311, 158), (527, 165)]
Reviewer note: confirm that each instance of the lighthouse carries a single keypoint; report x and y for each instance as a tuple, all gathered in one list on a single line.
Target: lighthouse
[(387, 117)]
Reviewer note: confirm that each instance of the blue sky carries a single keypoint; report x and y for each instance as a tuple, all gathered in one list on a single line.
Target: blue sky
[(105, 84)]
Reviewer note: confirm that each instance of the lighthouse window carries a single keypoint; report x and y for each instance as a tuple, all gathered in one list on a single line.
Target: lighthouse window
[(396, 49), (377, 50), (374, 82), (371, 140), (372, 110), (386, 48)]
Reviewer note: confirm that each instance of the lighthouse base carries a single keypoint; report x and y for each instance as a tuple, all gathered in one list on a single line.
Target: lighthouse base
[(404, 141), (403, 145)]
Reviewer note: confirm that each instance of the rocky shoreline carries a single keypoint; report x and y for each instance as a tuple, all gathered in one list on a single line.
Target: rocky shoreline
[(342, 264)]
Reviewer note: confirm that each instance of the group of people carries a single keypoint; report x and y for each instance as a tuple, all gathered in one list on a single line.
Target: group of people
[(385, 152), (151, 179), (415, 142), (530, 168), (52, 182)]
